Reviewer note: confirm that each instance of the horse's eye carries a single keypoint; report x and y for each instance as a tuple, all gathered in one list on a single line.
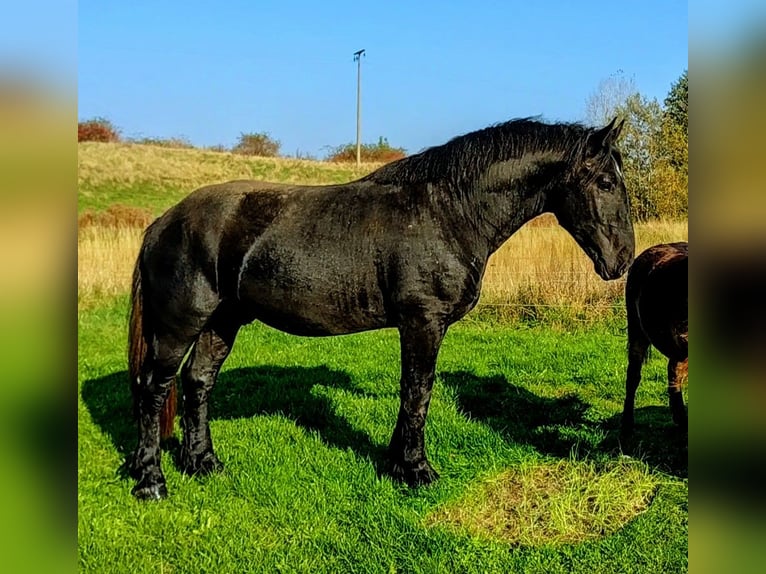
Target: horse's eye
[(604, 183)]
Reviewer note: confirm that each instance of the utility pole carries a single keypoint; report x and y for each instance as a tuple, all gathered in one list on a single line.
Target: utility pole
[(358, 59)]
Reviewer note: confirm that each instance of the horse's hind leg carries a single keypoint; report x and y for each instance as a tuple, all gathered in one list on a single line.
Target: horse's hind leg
[(198, 376), (638, 347), (158, 371), (676, 369)]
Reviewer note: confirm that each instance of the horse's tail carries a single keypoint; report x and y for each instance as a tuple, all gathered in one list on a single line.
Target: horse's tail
[(683, 367), (140, 334)]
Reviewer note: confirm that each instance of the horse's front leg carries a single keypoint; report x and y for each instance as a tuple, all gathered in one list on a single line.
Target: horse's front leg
[(420, 342)]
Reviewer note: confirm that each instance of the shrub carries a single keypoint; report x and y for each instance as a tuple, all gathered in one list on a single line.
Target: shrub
[(97, 130), (117, 216), (260, 144), (381, 152)]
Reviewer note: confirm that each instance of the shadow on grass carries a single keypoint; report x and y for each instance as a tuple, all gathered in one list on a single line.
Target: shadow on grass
[(656, 439), (242, 393), (553, 426), (559, 426)]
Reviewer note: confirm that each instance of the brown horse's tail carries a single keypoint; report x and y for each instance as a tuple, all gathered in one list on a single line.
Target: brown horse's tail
[(139, 336), (683, 367)]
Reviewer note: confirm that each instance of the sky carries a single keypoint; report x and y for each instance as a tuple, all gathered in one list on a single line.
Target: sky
[(209, 71)]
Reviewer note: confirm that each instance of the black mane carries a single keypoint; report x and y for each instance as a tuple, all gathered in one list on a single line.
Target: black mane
[(465, 157)]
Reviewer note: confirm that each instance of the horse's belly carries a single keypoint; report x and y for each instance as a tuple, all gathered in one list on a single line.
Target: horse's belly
[(313, 309)]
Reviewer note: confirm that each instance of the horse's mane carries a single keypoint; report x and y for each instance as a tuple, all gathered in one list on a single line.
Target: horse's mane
[(464, 158)]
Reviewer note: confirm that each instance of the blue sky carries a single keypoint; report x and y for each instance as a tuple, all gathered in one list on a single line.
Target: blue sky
[(208, 71)]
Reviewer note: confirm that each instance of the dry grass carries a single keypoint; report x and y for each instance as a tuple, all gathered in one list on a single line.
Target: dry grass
[(541, 268), (130, 163), (548, 504), (116, 216), (105, 260), (538, 269)]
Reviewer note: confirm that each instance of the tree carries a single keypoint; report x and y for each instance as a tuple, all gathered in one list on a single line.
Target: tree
[(260, 144), (653, 143), (676, 124), (97, 130), (677, 102), (673, 150), (611, 93), (643, 125)]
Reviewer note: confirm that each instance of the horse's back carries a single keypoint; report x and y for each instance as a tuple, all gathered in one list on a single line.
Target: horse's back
[(657, 286)]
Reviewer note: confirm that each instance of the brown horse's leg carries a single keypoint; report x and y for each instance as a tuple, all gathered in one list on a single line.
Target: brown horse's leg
[(420, 342), (638, 347), (157, 374), (676, 369), (198, 376)]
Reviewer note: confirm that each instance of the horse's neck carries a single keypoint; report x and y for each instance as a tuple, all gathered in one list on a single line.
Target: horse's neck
[(509, 193)]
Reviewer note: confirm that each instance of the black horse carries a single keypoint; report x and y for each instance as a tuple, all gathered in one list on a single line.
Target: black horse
[(405, 247), (657, 301)]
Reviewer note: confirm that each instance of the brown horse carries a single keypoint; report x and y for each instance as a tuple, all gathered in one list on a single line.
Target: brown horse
[(656, 296)]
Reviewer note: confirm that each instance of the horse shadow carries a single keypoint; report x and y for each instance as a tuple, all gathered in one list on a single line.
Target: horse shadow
[(554, 426), (560, 426), (656, 440), (242, 393)]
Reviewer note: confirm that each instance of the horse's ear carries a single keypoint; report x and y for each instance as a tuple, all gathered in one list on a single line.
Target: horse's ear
[(605, 137), (616, 130)]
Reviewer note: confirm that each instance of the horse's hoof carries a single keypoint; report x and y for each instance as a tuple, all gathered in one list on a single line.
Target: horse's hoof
[(681, 419), (201, 464), (150, 491), (420, 475)]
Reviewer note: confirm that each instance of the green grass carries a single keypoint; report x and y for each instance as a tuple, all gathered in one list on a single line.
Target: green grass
[(147, 195), (301, 425)]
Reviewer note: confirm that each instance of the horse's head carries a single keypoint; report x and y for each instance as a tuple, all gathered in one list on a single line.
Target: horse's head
[(594, 207)]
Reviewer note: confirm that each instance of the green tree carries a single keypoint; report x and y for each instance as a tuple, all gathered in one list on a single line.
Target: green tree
[(673, 151), (677, 102), (643, 126), (654, 143)]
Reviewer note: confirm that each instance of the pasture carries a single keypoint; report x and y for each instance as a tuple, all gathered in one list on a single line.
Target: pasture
[(523, 426)]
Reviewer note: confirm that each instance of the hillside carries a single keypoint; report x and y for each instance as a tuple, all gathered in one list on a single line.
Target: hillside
[(156, 177)]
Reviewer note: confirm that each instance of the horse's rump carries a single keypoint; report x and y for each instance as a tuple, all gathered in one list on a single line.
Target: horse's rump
[(657, 288)]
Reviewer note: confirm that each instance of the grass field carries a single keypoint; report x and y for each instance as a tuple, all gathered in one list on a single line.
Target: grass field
[(525, 418), (523, 426)]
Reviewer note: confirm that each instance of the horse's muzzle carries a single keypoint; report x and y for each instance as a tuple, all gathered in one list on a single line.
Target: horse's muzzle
[(617, 268)]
